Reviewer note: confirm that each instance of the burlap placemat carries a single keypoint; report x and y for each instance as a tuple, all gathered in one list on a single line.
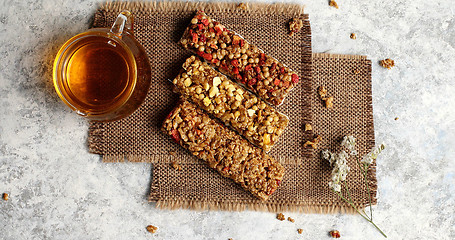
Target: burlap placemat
[(348, 79), (158, 26)]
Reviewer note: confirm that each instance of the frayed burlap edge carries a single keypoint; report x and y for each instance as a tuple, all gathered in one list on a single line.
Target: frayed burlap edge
[(341, 56), (173, 204), (252, 7), (96, 138)]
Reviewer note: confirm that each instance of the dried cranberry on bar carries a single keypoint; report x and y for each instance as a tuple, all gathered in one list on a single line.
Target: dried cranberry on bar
[(242, 61)]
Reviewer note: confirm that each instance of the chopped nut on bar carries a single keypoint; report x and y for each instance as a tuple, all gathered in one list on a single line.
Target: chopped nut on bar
[(280, 217), (295, 25), (172, 153), (334, 4), (313, 143), (226, 100), (353, 36), (176, 166), (387, 63), (152, 229), (224, 150), (291, 220), (356, 71), (234, 56)]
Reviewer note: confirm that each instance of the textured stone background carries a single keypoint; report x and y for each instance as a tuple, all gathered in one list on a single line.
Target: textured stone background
[(59, 191)]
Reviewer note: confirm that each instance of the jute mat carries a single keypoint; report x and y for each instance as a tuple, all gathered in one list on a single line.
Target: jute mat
[(159, 26)]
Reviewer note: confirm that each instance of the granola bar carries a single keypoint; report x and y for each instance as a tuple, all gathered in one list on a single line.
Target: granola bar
[(243, 111), (224, 150), (240, 60)]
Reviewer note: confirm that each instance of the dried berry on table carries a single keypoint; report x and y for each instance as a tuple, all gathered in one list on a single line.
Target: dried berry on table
[(295, 25), (280, 217), (300, 231), (335, 234), (242, 6), (387, 63), (308, 127), (152, 229), (353, 36), (291, 220), (334, 4), (5, 196), (313, 143), (176, 166)]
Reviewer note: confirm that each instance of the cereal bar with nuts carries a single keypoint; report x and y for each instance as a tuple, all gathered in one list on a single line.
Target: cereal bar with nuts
[(224, 99), (224, 150), (240, 60)]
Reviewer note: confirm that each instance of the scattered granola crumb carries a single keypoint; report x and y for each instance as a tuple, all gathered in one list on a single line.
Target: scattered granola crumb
[(152, 229), (323, 94), (176, 166), (334, 4), (356, 71), (335, 234), (230, 239), (291, 220), (172, 153), (5, 196), (242, 6), (313, 143), (295, 25), (308, 127), (396, 118), (328, 102), (280, 217), (387, 63), (322, 91), (353, 36), (300, 231)]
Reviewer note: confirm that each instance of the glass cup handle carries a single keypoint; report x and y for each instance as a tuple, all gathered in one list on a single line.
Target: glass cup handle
[(124, 22)]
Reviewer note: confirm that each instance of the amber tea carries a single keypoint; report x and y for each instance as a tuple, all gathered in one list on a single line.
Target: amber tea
[(98, 73), (103, 74)]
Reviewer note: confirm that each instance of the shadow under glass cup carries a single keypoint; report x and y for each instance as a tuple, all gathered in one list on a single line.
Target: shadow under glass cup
[(103, 74)]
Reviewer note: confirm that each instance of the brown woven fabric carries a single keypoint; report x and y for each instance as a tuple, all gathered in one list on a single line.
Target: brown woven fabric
[(158, 26)]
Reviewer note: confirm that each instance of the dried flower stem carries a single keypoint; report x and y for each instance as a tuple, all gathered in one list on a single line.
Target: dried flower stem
[(364, 172), (341, 169), (357, 210)]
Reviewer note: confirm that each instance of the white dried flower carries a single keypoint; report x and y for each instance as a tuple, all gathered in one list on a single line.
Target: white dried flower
[(372, 155), (327, 155), (349, 143), (367, 160), (335, 187), (340, 169)]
